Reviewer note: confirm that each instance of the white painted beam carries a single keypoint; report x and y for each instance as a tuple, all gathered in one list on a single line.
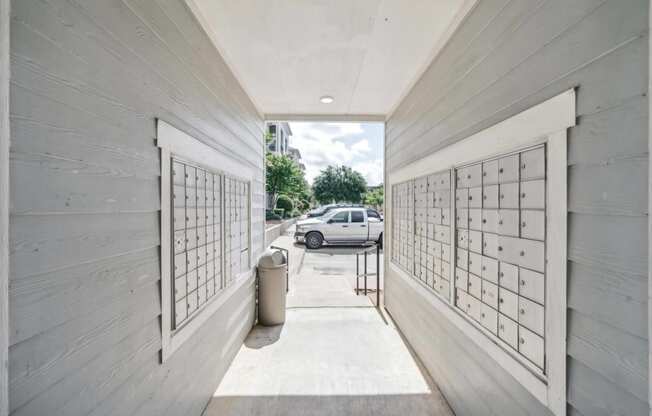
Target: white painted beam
[(369, 118)]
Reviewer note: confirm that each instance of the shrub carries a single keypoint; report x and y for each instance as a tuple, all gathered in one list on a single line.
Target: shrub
[(303, 205), (284, 202), (271, 215), (279, 211)]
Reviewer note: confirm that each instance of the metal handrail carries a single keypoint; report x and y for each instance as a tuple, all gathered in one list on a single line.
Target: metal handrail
[(368, 249), (358, 275), (287, 262)]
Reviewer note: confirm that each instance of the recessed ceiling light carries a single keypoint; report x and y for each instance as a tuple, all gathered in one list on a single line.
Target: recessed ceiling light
[(326, 99)]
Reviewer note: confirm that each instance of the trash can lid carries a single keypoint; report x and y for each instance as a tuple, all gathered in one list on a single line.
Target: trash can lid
[(271, 258)]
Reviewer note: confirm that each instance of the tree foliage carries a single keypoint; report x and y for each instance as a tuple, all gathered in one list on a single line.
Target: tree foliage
[(302, 198), (285, 202), (285, 177), (339, 184), (375, 197)]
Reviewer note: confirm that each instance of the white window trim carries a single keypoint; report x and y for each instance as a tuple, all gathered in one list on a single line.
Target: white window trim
[(545, 123), (174, 142)]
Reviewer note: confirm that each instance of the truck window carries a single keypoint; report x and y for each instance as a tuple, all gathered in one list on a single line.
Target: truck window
[(357, 216), (340, 217), (372, 214)]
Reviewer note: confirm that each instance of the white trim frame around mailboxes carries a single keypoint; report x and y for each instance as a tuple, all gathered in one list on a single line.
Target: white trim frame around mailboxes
[(174, 142), (545, 123)]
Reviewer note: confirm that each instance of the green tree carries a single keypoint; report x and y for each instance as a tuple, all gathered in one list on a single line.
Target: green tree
[(284, 177), (303, 196), (339, 184), (375, 197), (286, 203)]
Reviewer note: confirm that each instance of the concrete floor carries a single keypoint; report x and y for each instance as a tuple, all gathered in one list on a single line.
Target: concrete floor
[(336, 354)]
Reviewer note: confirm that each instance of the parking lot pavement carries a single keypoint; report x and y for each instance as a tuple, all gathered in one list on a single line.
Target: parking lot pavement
[(328, 270), (295, 251), (341, 261)]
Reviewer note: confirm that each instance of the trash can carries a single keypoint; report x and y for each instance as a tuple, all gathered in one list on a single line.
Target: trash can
[(272, 289)]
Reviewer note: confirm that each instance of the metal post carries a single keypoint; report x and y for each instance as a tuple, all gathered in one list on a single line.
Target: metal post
[(286, 252), (377, 275), (365, 273), (357, 274), (287, 271)]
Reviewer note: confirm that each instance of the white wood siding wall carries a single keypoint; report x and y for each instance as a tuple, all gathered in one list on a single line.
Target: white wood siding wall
[(507, 56), (88, 80), (4, 205)]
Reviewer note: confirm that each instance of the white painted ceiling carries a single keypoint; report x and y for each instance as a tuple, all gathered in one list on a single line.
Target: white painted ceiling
[(365, 53)]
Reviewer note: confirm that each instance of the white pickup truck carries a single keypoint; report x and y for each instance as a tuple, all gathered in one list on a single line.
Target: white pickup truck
[(341, 226)]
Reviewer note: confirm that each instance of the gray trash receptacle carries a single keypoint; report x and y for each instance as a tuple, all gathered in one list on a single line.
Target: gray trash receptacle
[(272, 290)]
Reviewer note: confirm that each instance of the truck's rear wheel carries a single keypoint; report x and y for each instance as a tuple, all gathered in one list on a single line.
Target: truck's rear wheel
[(314, 240)]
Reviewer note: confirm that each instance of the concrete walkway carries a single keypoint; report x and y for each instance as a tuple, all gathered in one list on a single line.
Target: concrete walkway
[(335, 355)]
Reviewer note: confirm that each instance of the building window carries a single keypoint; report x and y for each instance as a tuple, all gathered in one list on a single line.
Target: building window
[(205, 232), (505, 245)]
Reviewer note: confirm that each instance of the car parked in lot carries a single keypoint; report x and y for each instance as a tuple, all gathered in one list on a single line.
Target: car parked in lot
[(325, 209), (341, 226)]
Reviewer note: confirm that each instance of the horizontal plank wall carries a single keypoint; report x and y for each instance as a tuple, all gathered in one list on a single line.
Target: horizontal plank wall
[(4, 205), (649, 235), (507, 56), (88, 81)]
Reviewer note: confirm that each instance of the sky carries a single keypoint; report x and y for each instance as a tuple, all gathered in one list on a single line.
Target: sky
[(357, 145)]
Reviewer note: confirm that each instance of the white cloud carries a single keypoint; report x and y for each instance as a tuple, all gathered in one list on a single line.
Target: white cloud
[(326, 130), (349, 128), (361, 147), (331, 129), (372, 171), (324, 144)]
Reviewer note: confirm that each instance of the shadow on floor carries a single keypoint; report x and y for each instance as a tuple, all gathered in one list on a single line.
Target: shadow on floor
[(340, 405), (262, 336), (336, 249), (341, 250)]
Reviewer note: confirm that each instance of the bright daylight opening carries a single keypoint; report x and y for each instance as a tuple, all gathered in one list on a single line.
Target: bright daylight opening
[(325, 206)]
